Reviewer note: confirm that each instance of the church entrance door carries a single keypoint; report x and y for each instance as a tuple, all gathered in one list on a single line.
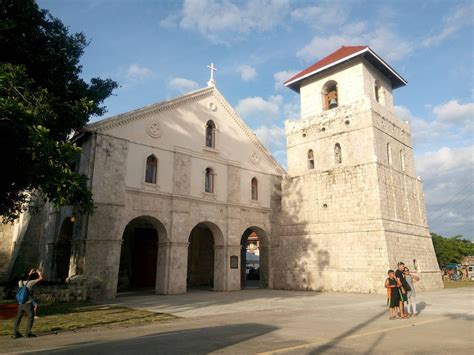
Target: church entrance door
[(201, 258), (139, 255)]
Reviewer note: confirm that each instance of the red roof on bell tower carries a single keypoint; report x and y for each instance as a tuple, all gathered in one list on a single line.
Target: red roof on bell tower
[(342, 55)]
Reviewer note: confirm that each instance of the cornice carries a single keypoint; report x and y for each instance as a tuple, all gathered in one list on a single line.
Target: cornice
[(141, 113)]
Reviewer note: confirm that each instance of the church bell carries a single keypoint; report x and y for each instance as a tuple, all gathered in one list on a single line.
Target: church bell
[(332, 103)]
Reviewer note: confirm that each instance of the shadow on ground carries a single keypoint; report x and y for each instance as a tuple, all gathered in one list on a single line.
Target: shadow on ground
[(335, 342), (196, 299), (207, 340)]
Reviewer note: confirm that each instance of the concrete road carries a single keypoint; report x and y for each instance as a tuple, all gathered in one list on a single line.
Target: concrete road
[(276, 322)]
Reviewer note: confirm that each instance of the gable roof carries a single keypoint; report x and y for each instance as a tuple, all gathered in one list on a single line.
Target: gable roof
[(342, 55), (141, 113)]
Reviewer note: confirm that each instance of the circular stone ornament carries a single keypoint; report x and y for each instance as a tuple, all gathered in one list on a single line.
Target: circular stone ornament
[(212, 106), (254, 158), (154, 129)]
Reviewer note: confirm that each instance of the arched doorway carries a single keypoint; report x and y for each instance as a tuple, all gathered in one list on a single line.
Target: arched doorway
[(62, 256), (139, 254), (254, 258), (200, 272)]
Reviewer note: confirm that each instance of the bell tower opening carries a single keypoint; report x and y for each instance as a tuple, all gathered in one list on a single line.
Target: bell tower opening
[(330, 96)]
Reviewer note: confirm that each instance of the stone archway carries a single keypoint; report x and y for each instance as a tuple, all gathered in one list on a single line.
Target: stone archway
[(62, 257), (139, 253), (254, 263), (203, 239)]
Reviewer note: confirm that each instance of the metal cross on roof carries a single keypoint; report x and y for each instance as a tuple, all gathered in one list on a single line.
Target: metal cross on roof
[(211, 81)]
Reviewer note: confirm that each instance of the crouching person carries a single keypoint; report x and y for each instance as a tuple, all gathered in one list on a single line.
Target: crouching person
[(24, 297)]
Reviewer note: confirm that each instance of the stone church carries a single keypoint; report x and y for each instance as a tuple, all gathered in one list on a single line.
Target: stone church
[(180, 185)]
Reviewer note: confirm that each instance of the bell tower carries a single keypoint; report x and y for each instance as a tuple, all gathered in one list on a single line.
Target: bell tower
[(352, 206)]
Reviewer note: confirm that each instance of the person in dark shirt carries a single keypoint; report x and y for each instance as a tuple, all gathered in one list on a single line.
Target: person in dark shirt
[(393, 297), (402, 288)]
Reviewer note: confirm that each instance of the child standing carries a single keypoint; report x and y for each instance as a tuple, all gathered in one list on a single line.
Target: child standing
[(392, 293)]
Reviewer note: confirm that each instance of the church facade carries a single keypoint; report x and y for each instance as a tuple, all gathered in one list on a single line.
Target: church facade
[(179, 186)]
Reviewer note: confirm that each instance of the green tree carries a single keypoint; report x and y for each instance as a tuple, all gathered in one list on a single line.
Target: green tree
[(43, 101), (451, 250)]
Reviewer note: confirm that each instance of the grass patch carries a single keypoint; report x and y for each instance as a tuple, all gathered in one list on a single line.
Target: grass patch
[(77, 315), (458, 284)]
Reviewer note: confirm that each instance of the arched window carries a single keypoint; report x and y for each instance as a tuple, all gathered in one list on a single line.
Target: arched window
[(402, 160), (377, 91), (209, 181), (254, 189), (210, 134), (389, 154), (337, 153), (310, 159), (330, 96), (151, 169)]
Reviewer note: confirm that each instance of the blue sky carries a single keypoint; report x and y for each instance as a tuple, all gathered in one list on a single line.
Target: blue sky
[(160, 49)]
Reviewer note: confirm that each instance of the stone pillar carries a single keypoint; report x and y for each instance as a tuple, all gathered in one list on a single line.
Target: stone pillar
[(264, 266), (220, 268), (243, 266), (234, 275), (101, 267), (47, 264), (225, 278), (171, 268)]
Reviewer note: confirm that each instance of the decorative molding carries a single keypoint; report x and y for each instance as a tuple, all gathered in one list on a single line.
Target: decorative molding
[(149, 186), (209, 195), (154, 128), (210, 150), (141, 113)]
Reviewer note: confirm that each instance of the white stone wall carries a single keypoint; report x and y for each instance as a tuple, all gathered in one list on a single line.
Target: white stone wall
[(115, 157), (349, 125), (344, 225), (371, 76)]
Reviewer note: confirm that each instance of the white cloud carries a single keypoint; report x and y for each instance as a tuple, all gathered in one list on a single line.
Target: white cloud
[(449, 192), (403, 112), (247, 72), (455, 114), (258, 108), (169, 21), (461, 16), (282, 76), (452, 121), (454, 111), (183, 85), (273, 137), (220, 20), (381, 40), (445, 160), (136, 72), (324, 14)]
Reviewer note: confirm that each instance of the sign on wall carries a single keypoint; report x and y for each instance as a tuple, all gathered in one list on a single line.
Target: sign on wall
[(234, 262)]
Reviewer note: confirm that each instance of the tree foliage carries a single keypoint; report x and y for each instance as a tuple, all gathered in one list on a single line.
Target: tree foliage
[(451, 250), (43, 101)]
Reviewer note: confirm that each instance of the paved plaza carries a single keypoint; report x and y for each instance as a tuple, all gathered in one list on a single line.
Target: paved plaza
[(275, 322)]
